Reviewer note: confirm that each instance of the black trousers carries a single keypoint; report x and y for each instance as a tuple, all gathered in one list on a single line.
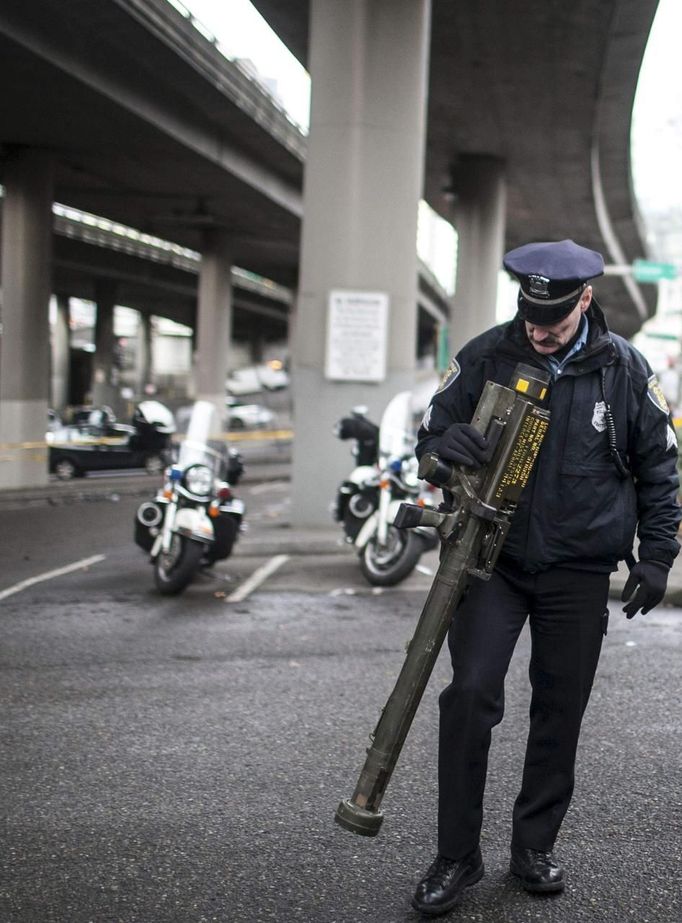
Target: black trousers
[(566, 610)]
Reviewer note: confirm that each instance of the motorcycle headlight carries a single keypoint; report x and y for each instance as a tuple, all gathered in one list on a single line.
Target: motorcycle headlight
[(199, 480)]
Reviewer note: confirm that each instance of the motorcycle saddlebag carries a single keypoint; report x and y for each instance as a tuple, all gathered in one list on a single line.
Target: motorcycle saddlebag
[(226, 531)]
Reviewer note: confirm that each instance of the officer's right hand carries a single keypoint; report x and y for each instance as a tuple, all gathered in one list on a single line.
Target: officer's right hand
[(462, 444)]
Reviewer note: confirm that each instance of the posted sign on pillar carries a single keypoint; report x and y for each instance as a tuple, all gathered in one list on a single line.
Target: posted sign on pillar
[(357, 332)]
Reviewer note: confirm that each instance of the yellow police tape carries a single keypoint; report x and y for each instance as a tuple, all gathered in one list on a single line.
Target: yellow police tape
[(256, 435), (277, 435)]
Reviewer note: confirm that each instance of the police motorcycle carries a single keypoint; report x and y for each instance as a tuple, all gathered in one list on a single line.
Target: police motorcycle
[(194, 520), (368, 500), (357, 496)]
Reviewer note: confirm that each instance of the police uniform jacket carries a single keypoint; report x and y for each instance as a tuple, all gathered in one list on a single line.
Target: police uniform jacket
[(577, 510)]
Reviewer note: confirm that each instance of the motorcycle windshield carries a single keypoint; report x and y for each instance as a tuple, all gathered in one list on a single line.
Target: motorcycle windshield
[(195, 449), (396, 437)]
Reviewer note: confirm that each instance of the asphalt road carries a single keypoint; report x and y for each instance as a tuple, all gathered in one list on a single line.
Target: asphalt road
[(181, 759)]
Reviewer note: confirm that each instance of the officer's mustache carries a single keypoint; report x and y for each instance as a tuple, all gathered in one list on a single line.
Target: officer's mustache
[(549, 340)]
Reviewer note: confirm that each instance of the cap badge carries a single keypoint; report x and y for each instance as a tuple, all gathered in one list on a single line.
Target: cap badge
[(537, 285)]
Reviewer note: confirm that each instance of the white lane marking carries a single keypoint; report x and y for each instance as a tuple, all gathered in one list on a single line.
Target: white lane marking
[(267, 486), (257, 577), (48, 575)]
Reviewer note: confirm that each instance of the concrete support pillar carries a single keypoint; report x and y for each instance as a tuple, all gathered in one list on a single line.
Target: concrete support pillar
[(363, 182), (214, 320), (144, 354), (61, 348), (25, 341), (479, 217), (105, 375)]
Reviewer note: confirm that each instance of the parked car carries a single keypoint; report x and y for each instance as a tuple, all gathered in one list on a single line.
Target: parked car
[(96, 441), (238, 415), (247, 416), (269, 376)]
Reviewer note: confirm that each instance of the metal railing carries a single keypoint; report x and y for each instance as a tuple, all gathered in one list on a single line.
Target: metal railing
[(111, 235), (173, 23)]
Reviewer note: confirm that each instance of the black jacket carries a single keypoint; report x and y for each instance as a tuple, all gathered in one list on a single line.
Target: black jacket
[(576, 509)]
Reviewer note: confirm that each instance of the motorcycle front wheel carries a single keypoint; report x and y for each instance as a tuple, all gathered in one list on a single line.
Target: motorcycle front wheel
[(389, 564), (174, 570)]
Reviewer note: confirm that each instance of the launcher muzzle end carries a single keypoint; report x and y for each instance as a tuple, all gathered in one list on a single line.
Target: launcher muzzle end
[(358, 820)]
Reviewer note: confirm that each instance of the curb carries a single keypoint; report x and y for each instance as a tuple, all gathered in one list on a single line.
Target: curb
[(61, 494)]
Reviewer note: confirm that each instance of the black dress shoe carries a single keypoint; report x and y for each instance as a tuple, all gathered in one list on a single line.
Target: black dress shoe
[(442, 886), (539, 872)]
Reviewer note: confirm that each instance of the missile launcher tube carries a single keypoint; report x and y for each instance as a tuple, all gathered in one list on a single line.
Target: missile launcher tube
[(472, 536)]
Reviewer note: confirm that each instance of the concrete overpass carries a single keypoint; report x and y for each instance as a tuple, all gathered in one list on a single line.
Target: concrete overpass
[(124, 109), (156, 279), (149, 124), (545, 90)]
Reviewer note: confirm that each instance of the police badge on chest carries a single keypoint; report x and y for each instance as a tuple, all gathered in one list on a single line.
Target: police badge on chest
[(599, 416)]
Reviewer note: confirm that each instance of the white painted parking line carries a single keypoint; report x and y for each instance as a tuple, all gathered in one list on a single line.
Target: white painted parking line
[(48, 575), (267, 487), (257, 577)]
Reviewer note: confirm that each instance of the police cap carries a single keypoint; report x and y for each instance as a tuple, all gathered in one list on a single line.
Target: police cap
[(552, 276)]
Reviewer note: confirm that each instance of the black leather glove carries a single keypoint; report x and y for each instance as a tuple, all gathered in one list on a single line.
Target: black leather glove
[(645, 587), (462, 444)]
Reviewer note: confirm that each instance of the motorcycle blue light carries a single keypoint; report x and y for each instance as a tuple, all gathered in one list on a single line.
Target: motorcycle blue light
[(395, 465), (175, 473)]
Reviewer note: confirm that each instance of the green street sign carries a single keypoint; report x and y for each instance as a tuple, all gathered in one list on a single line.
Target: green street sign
[(646, 271), (443, 357)]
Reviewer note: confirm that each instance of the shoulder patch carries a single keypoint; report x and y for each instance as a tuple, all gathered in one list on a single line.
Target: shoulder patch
[(656, 396), (451, 374)]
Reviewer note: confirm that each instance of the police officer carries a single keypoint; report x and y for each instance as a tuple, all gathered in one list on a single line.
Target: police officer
[(606, 469)]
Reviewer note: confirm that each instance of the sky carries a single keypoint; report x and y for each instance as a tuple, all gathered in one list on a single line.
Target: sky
[(657, 114), (656, 159), (657, 155), (243, 33)]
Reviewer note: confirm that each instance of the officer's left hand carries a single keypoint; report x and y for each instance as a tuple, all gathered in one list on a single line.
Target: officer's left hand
[(645, 587)]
